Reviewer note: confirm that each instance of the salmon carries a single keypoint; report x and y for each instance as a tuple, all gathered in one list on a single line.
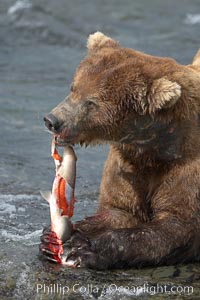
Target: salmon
[(61, 199)]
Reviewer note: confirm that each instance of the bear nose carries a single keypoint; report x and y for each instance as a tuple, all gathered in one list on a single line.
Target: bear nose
[(52, 123)]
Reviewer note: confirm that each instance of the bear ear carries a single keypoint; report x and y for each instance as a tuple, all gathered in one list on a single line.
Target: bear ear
[(196, 60), (98, 40), (163, 94)]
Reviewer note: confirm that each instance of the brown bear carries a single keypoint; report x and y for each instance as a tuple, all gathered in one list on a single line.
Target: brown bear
[(147, 108)]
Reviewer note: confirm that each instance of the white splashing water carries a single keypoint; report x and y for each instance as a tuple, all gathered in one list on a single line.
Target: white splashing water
[(20, 5), (192, 19), (17, 219), (7, 208), (16, 237)]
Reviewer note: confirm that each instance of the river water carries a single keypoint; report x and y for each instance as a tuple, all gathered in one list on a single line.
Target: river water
[(41, 43)]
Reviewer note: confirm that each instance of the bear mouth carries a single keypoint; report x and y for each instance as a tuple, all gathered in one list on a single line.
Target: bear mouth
[(60, 142), (65, 137), (64, 141), (69, 137)]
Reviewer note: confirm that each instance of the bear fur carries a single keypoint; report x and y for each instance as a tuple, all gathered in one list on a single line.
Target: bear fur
[(147, 108)]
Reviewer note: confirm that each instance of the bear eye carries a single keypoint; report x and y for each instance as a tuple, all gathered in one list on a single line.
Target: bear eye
[(90, 104)]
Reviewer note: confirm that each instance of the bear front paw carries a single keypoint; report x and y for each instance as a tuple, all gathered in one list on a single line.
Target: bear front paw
[(82, 252)]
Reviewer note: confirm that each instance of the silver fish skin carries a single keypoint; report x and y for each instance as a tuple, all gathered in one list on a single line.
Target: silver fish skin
[(61, 225), (67, 169)]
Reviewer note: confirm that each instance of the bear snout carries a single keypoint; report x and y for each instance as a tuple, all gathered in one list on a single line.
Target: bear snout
[(52, 123)]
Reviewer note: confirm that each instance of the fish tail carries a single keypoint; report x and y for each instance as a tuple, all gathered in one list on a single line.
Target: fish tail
[(46, 195)]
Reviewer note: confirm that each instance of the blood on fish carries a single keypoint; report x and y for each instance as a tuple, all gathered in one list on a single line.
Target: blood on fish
[(56, 155), (60, 189), (61, 196)]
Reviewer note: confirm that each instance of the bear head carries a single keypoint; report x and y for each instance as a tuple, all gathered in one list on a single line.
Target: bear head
[(122, 96)]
